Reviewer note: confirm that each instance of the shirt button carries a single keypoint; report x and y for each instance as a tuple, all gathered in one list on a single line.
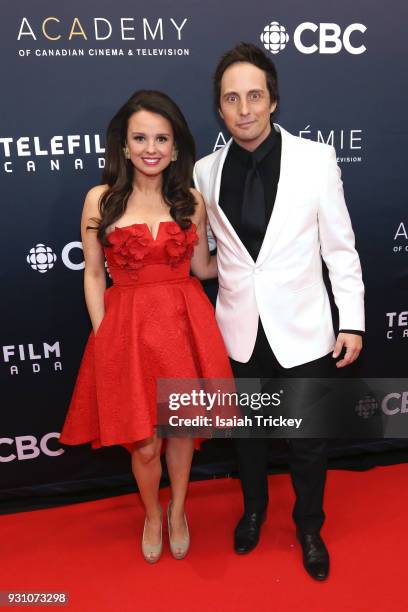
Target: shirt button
[(258, 270)]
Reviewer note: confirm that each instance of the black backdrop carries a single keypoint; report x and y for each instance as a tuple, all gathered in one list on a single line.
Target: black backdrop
[(65, 70)]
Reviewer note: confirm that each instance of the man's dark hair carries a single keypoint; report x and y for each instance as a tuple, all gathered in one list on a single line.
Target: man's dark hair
[(247, 52)]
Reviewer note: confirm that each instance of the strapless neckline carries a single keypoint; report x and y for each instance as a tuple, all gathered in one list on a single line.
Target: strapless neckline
[(154, 238)]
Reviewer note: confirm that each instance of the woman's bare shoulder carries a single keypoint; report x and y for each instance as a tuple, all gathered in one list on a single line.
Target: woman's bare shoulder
[(95, 193), (91, 204)]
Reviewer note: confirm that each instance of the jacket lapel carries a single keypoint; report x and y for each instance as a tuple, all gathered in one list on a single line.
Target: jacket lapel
[(282, 201), (215, 179), (283, 198)]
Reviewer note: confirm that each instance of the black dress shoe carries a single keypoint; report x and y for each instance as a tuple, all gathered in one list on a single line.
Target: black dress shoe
[(315, 555), (246, 535)]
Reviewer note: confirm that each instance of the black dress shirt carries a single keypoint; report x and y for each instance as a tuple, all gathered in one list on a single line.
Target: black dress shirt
[(234, 172)]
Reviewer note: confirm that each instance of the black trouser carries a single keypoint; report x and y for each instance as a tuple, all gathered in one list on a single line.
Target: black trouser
[(307, 456)]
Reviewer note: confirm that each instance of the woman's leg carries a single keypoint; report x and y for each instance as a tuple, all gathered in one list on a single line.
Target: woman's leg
[(179, 453), (146, 467)]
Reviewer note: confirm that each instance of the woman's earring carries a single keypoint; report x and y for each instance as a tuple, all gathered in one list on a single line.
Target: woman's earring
[(126, 152), (174, 155)]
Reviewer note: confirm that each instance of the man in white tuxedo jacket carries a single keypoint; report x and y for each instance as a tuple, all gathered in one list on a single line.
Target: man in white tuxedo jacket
[(276, 207)]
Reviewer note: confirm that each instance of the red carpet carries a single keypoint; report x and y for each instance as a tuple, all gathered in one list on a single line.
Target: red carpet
[(92, 551)]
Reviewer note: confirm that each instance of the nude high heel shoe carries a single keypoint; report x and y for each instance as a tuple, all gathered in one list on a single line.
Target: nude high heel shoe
[(152, 552), (179, 548)]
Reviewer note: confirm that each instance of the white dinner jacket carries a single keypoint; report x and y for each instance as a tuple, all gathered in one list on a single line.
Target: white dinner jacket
[(284, 286)]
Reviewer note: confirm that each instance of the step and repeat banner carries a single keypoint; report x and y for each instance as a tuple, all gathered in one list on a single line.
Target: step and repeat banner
[(65, 70)]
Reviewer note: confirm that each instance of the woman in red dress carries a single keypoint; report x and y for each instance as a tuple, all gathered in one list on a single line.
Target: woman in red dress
[(155, 321)]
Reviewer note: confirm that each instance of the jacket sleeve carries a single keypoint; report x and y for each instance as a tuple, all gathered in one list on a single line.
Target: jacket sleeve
[(212, 243), (338, 248)]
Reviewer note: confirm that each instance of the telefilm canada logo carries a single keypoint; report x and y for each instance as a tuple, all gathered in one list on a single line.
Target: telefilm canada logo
[(348, 142), (397, 325), (35, 358), (56, 37), (35, 153), (309, 38)]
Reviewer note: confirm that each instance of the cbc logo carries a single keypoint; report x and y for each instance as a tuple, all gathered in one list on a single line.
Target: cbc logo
[(366, 407), (274, 37), (28, 447), (42, 258), (328, 39), (393, 403)]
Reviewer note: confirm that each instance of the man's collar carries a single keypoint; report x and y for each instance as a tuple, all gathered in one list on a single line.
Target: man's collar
[(260, 152)]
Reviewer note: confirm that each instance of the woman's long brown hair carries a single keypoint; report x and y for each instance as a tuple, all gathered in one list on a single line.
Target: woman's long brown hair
[(118, 171)]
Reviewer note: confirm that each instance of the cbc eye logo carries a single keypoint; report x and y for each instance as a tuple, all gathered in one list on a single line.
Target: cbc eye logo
[(274, 37), (366, 407), (41, 258)]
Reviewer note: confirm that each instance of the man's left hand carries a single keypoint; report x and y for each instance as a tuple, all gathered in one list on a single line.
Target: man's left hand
[(353, 344)]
